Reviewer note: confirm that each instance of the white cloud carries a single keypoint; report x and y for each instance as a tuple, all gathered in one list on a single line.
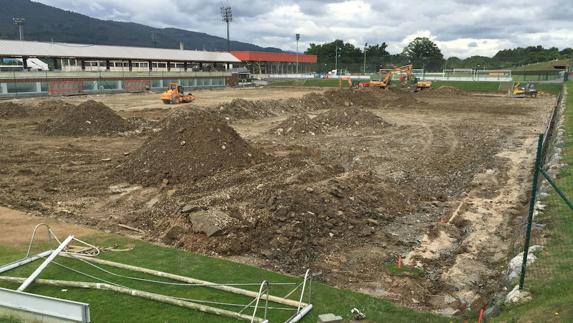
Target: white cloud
[(460, 27)]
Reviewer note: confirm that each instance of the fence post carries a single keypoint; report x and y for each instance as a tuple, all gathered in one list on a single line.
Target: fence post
[(531, 209)]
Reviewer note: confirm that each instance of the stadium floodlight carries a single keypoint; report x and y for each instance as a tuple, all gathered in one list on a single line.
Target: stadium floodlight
[(20, 23), (227, 15), (297, 36), (365, 49)]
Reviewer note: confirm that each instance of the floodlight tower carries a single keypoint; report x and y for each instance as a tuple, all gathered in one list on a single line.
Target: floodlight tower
[(297, 39), (227, 15), (20, 23), (365, 49)]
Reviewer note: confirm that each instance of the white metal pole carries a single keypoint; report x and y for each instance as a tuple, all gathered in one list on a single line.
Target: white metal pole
[(24, 261), (38, 270)]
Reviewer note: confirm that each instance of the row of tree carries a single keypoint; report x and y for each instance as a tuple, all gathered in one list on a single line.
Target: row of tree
[(423, 53)]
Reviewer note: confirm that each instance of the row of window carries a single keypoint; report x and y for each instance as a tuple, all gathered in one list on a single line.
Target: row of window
[(125, 64)]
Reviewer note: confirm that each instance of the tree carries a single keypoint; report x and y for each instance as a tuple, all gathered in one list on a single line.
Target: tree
[(424, 53), (349, 57), (377, 56), (453, 62)]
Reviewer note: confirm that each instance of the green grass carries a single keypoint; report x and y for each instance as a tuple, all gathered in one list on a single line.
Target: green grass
[(112, 307), (287, 83), (542, 66), (312, 83), (321, 82), (550, 279), (493, 87), (551, 88)]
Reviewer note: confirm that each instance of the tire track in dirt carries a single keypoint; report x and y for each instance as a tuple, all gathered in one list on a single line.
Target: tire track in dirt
[(485, 218)]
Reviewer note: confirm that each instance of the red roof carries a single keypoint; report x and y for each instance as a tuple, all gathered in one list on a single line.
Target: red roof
[(273, 57)]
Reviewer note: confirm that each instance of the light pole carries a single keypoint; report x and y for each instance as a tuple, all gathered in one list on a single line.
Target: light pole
[(297, 39), (20, 23), (365, 46), (227, 15), (336, 59), (338, 50)]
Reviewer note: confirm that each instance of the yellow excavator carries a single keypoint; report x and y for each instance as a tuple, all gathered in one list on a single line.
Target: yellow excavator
[(176, 94), (522, 91), (406, 75)]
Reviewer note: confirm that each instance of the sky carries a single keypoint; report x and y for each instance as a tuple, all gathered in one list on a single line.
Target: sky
[(460, 28)]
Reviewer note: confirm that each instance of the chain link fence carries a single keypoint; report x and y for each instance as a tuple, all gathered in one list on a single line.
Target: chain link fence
[(547, 258)]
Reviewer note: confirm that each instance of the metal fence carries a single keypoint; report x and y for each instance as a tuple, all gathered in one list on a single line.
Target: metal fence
[(548, 75), (547, 257), (13, 84)]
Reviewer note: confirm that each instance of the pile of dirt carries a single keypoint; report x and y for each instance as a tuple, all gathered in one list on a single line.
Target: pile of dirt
[(54, 107), (314, 101), (244, 109), (348, 97), (404, 100), (87, 119), (11, 110), (300, 124), (306, 222), (190, 145), (349, 118)]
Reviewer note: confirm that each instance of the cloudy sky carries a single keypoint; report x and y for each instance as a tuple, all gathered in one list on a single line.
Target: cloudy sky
[(460, 27)]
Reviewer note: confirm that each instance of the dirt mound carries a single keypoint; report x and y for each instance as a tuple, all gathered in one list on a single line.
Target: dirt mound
[(53, 107), (87, 119), (363, 97), (444, 91), (190, 145), (244, 109), (307, 222), (11, 110), (405, 99), (350, 118), (314, 101), (300, 124)]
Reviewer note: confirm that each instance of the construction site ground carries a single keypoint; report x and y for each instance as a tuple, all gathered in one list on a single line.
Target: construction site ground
[(347, 183)]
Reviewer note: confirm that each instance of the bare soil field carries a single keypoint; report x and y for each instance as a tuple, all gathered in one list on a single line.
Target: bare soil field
[(344, 182)]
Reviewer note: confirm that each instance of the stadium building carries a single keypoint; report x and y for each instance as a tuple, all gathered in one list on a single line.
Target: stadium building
[(276, 63)]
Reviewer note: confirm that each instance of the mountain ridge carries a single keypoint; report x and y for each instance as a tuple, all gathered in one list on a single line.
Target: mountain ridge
[(48, 23)]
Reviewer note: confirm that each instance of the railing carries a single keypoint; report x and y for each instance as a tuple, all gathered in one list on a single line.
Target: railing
[(107, 74)]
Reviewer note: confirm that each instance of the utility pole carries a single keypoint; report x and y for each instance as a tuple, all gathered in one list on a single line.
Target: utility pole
[(297, 39), (20, 23), (227, 15), (365, 47)]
